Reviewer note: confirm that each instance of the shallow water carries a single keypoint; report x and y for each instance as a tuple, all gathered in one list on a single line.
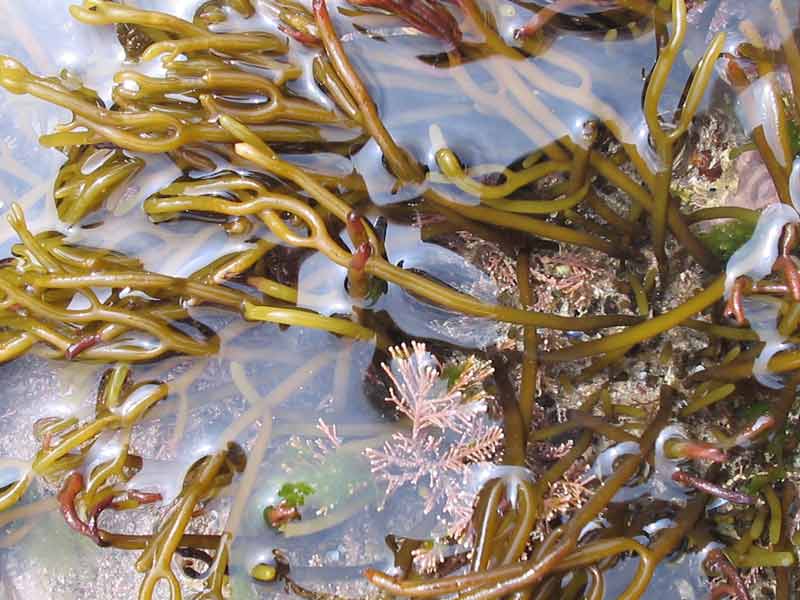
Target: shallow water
[(484, 111)]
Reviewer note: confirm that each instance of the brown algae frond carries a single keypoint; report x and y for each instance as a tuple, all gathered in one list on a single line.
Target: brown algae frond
[(360, 190)]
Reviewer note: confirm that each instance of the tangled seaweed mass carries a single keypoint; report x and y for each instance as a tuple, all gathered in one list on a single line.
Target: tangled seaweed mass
[(401, 298)]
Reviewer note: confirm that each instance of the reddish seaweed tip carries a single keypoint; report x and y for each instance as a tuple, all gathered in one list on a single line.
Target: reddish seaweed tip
[(694, 450), (360, 257), (734, 308), (356, 229), (299, 36), (761, 425), (66, 501), (138, 497), (787, 266), (735, 586), (280, 515), (427, 16), (81, 346), (320, 8), (688, 480), (379, 578)]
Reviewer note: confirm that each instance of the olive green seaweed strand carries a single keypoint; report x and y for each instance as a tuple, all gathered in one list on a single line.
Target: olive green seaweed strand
[(301, 318), (643, 331), (664, 141), (402, 165), (106, 12), (379, 267)]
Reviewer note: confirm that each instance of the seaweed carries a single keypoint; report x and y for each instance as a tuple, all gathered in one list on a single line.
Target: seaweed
[(231, 107)]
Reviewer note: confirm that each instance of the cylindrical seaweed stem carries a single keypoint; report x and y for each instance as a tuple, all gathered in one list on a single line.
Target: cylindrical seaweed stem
[(643, 331)]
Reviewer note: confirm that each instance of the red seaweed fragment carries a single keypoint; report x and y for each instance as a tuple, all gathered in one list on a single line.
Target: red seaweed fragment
[(299, 36), (735, 586), (689, 480), (66, 500), (82, 345), (695, 450), (280, 515), (427, 16), (357, 278)]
